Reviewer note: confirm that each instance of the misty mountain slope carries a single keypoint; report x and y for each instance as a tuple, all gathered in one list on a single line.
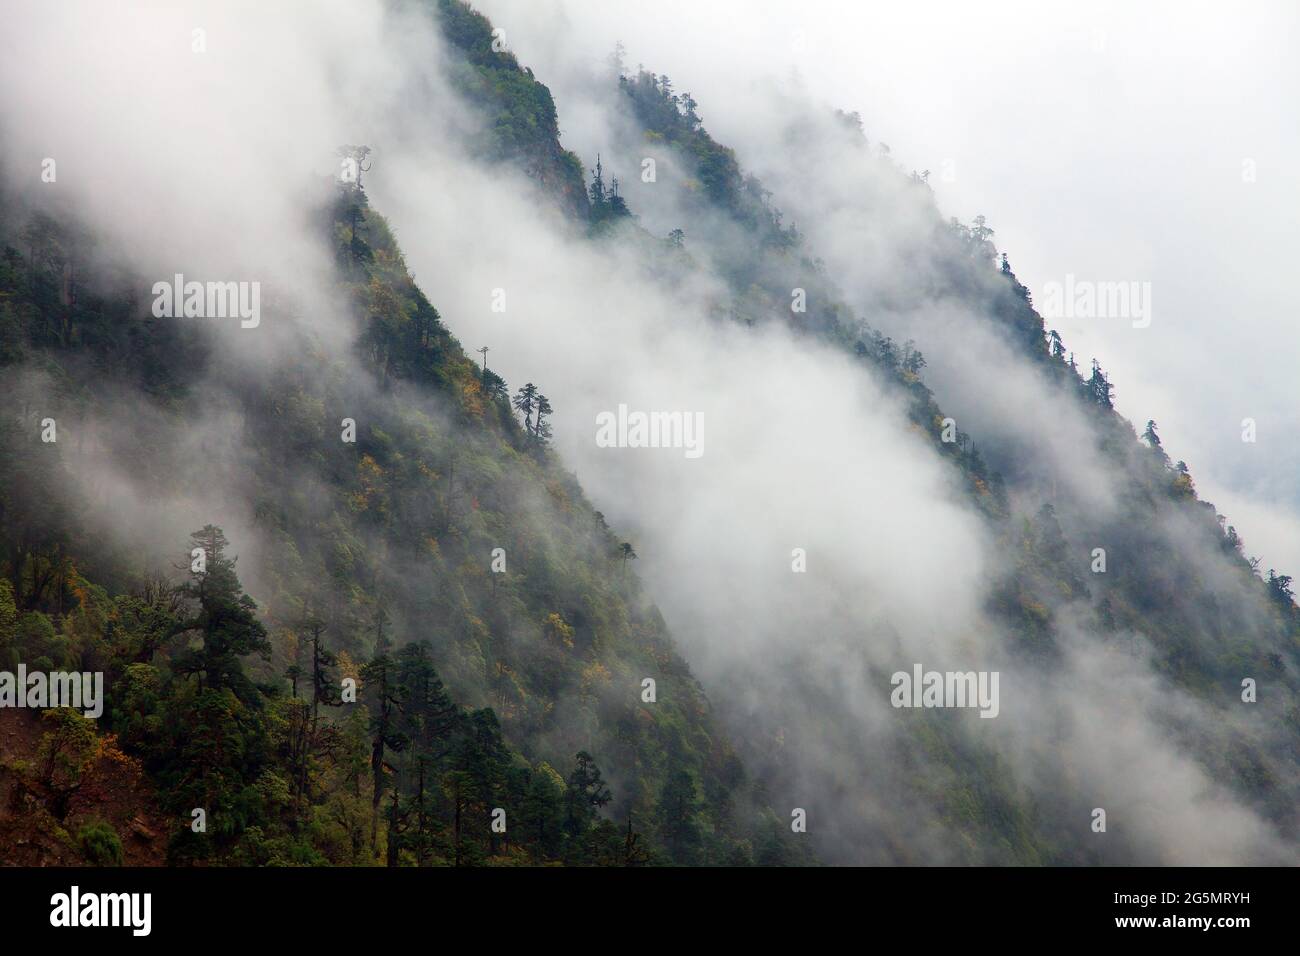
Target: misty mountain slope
[(522, 126), (772, 271), (955, 271), (847, 509), (1176, 583), (665, 263), (1149, 654), (378, 547)]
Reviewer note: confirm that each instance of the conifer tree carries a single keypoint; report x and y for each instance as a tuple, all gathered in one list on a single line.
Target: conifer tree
[(525, 401), (226, 617)]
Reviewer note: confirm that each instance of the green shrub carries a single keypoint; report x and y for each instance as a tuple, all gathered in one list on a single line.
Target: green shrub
[(100, 844)]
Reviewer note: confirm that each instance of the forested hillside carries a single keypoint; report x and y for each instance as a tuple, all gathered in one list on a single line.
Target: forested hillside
[(353, 606), (445, 544), (1178, 582), (1106, 554)]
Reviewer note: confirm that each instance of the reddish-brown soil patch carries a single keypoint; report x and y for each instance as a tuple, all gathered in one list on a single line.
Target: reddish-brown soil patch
[(113, 789)]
